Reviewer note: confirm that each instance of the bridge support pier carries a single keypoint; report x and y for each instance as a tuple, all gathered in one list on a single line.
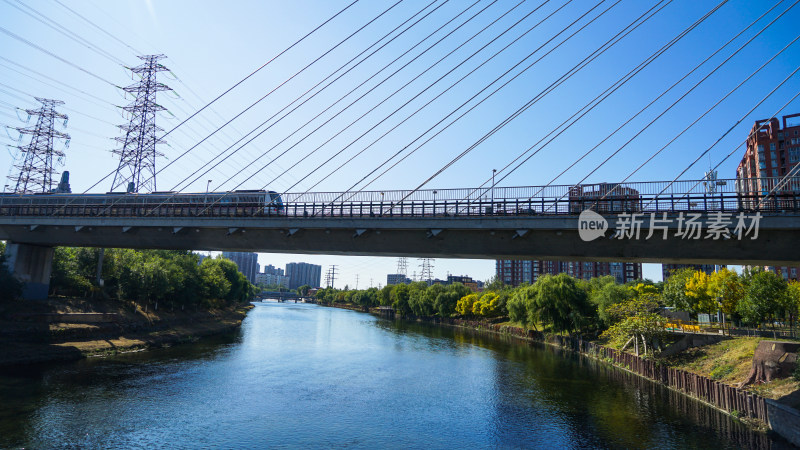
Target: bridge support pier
[(31, 264)]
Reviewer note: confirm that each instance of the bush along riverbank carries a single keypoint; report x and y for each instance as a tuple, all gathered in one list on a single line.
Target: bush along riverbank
[(747, 406), (68, 329)]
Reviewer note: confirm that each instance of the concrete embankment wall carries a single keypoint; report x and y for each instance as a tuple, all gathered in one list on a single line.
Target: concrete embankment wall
[(784, 421)]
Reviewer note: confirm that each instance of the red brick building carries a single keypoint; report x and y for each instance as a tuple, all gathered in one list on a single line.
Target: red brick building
[(515, 272), (772, 151)]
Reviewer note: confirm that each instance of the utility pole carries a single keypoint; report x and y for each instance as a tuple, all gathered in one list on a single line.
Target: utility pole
[(330, 277), (137, 156), (356, 281), (36, 169)]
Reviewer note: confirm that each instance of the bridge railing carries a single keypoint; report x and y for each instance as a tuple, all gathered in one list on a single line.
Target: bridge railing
[(684, 196)]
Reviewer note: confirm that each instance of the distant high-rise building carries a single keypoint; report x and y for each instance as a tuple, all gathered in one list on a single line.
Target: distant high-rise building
[(516, 272), (303, 273), (272, 270), (247, 263), (397, 278), (772, 152)]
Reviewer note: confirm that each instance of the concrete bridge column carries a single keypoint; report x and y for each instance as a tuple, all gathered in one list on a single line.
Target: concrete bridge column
[(32, 265)]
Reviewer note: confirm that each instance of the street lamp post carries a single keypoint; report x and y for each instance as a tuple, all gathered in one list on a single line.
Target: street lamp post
[(434, 202), (493, 172), (207, 184)]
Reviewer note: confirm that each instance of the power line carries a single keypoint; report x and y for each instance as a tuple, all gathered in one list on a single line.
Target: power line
[(62, 30), (112, 36), (69, 63)]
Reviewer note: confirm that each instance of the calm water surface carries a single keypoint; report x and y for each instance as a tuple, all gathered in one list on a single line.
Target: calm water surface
[(300, 375)]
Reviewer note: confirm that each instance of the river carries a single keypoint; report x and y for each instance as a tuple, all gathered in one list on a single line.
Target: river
[(300, 375)]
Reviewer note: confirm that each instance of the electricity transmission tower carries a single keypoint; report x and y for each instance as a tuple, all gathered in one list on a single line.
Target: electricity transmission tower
[(137, 156), (402, 266), (426, 274), (36, 163)]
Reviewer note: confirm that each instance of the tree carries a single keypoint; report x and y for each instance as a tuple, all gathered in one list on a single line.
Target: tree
[(216, 285), (518, 305), (636, 319), (400, 295), (385, 297), (697, 289), (488, 305), (559, 301), (495, 284), (605, 292), (65, 275), (675, 289), (793, 301), (445, 302), (765, 297), (465, 303), (422, 301), (302, 291)]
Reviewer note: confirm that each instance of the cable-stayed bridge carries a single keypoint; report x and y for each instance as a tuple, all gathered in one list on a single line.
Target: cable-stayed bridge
[(687, 222), (376, 88)]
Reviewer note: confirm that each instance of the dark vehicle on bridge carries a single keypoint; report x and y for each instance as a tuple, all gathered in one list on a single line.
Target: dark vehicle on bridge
[(171, 204)]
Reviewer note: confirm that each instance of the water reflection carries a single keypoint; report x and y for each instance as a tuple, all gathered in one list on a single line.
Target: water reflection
[(301, 375)]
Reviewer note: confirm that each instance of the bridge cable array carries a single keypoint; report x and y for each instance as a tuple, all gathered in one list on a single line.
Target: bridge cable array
[(576, 68), (405, 65), (297, 99), (558, 130), (486, 87), (318, 92), (683, 96), (266, 95), (657, 98)]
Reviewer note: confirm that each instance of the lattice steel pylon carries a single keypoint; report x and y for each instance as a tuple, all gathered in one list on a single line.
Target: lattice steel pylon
[(402, 266), (36, 169), (426, 274), (137, 156)]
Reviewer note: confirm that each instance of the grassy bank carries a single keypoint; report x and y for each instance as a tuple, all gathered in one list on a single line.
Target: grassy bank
[(729, 362), (68, 329)]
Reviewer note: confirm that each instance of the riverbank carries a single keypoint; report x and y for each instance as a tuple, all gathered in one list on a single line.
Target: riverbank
[(68, 329), (746, 406)]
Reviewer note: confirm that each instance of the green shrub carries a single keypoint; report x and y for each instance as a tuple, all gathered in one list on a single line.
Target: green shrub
[(796, 373)]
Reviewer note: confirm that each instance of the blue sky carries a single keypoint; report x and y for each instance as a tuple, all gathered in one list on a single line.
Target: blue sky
[(212, 45)]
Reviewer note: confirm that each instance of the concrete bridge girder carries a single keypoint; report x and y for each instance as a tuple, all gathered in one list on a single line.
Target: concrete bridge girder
[(494, 237)]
